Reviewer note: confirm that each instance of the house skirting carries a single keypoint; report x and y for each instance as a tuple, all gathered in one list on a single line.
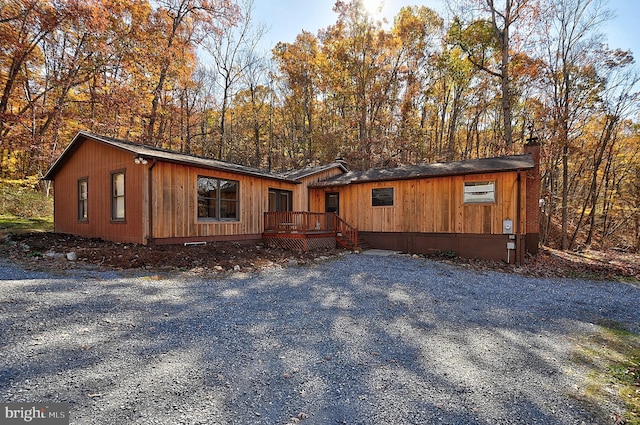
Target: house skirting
[(483, 246), (243, 239), (300, 241), (532, 242)]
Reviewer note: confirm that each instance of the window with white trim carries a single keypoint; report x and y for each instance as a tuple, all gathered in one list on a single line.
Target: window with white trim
[(479, 192)]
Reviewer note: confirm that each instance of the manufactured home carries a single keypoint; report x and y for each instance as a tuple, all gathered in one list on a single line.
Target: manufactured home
[(126, 192)]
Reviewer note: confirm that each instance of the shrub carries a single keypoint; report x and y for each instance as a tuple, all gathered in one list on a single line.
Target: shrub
[(23, 198)]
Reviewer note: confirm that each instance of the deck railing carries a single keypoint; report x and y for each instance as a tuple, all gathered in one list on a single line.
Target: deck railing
[(296, 222)]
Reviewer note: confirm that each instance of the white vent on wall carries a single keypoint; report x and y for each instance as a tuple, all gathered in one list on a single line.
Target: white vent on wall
[(479, 192)]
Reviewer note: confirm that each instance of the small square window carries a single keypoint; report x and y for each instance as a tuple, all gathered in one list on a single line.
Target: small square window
[(382, 197)]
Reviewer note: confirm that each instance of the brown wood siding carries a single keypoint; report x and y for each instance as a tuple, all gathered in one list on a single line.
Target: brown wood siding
[(301, 198), (96, 162), (430, 205), (174, 203)]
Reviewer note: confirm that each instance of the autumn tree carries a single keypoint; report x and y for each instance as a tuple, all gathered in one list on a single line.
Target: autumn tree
[(259, 96), (180, 25), (59, 74), (487, 35), (299, 66), (72, 54), (353, 48), (617, 100), (233, 51), (23, 26), (569, 36), (415, 46)]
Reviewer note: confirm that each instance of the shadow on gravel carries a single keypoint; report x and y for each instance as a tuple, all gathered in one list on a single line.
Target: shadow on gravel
[(355, 341)]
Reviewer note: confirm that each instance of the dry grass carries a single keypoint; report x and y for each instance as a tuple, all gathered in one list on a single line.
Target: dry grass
[(612, 357)]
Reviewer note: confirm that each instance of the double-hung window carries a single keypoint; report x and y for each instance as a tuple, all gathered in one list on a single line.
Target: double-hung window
[(83, 199), (218, 199), (117, 196)]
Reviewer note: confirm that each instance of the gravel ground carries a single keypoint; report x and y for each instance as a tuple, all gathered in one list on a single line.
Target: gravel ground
[(352, 340)]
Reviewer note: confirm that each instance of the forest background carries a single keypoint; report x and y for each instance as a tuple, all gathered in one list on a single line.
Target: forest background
[(189, 75)]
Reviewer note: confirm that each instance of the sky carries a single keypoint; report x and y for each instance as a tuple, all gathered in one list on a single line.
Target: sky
[(287, 18)]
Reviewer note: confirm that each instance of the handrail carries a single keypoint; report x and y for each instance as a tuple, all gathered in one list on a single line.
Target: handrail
[(301, 222), (347, 232)]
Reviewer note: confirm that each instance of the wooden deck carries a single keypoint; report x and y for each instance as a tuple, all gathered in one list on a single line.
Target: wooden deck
[(305, 231)]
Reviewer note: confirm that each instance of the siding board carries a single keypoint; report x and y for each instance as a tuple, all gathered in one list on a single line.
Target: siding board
[(429, 205), (175, 200), (96, 162)]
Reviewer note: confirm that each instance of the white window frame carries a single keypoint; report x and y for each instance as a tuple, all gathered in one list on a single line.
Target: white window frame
[(481, 192)]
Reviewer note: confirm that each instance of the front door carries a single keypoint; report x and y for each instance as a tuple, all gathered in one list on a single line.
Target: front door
[(331, 205), (332, 202)]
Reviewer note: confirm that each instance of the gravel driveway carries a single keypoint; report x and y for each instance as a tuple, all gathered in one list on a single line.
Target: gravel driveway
[(353, 340)]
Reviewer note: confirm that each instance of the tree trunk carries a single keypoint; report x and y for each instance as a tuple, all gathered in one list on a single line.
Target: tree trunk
[(506, 91), (157, 92), (565, 196)]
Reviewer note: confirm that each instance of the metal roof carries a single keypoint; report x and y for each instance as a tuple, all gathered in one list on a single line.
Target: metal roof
[(439, 169)]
